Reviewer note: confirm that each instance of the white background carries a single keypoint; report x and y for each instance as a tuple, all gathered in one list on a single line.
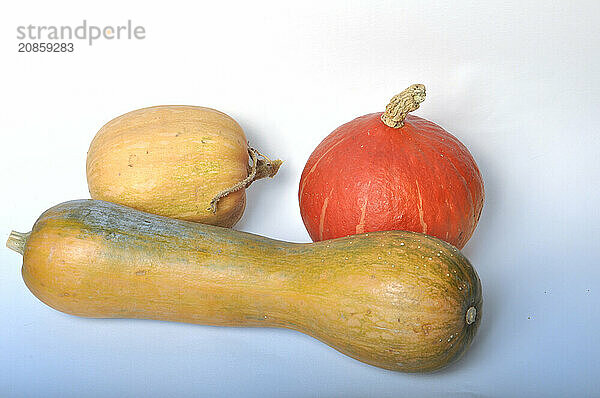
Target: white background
[(516, 81)]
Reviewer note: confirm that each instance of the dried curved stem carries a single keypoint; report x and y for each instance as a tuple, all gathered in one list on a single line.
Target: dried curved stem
[(401, 104), (261, 167)]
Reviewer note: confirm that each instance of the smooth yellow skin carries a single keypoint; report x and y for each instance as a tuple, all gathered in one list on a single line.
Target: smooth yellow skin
[(171, 160), (397, 300)]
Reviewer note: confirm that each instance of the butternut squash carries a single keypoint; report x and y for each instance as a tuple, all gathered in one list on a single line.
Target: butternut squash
[(397, 300), (185, 162)]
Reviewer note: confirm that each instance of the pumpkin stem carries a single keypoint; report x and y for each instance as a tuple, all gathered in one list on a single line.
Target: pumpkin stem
[(17, 241), (261, 167), (401, 104)]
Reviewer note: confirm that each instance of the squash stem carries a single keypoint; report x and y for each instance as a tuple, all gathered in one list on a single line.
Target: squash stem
[(401, 104), (17, 241), (262, 167)]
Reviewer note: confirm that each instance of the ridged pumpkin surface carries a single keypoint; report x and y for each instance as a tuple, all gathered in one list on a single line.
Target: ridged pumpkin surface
[(366, 176), (171, 160), (398, 300)]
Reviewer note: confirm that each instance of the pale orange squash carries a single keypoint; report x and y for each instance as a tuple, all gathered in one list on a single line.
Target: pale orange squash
[(176, 161)]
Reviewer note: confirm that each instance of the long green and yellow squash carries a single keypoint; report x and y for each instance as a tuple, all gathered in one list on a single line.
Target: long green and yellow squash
[(397, 300)]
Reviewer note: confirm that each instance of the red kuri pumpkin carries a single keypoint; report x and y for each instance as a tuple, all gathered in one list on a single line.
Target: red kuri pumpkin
[(392, 171)]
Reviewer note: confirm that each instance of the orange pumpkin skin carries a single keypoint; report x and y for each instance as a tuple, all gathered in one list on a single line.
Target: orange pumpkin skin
[(366, 176)]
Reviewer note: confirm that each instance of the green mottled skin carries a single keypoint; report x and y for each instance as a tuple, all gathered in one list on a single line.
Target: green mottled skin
[(392, 299)]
